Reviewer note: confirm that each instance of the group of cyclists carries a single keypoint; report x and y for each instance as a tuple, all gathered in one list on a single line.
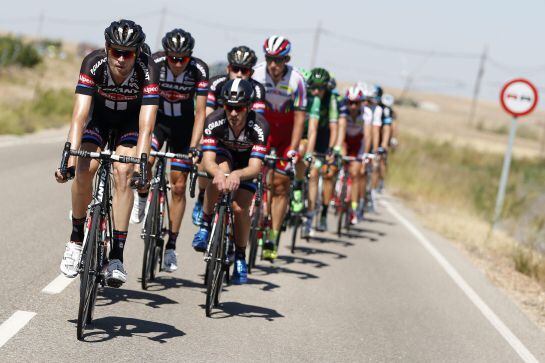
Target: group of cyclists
[(136, 102)]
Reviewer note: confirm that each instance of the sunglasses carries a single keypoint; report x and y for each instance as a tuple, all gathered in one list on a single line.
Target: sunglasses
[(317, 88), (174, 59), (118, 53), (276, 60), (244, 71), (237, 109)]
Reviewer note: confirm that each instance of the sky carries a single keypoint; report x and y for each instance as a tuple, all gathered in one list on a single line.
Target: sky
[(437, 44)]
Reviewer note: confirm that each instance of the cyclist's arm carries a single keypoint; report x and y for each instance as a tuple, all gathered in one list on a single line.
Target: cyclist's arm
[(251, 171), (312, 133), (209, 110), (209, 163), (200, 115), (82, 107), (386, 133), (341, 131), (333, 121), (298, 125), (146, 123)]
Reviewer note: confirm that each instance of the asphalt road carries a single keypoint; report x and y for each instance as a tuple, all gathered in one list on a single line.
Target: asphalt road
[(391, 291)]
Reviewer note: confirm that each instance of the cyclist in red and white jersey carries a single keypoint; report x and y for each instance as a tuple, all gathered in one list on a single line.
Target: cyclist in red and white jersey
[(285, 109)]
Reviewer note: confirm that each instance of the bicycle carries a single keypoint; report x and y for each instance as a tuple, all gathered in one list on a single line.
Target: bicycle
[(323, 161), (99, 228), (155, 224), (369, 161)]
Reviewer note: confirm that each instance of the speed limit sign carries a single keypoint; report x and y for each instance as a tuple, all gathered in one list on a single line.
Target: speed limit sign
[(518, 97)]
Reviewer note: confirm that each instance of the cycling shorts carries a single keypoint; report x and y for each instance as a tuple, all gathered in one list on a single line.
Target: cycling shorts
[(178, 135), (237, 160), (97, 132), (354, 145)]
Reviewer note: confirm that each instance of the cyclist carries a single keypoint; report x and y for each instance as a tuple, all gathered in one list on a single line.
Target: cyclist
[(241, 61), (234, 143), (180, 122), (118, 91), (386, 102), (358, 128), (285, 100), (323, 118)]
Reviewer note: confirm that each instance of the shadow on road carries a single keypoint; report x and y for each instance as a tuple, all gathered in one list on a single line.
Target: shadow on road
[(312, 250), (111, 327), (349, 234), (273, 269), (381, 221), (332, 240), (230, 309), (267, 286), (162, 283), (110, 296), (370, 231), (288, 259)]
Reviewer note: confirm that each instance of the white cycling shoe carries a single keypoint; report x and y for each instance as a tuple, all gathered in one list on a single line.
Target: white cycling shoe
[(70, 259), (115, 273), (170, 261), (138, 208)]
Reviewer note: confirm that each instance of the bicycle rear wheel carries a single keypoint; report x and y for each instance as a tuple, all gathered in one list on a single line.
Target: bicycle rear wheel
[(150, 236), (89, 277), (343, 210), (214, 267), (253, 238)]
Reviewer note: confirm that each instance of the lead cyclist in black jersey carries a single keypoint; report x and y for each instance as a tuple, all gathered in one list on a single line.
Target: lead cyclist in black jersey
[(117, 92)]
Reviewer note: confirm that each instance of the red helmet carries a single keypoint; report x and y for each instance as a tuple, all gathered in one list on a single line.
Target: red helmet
[(277, 46)]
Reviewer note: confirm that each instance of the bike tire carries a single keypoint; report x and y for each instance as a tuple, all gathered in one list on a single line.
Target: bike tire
[(89, 277), (295, 227), (150, 224), (343, 210), (214, 264), (253, 238)]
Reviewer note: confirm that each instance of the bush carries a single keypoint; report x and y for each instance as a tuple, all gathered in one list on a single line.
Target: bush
[(14, 52)]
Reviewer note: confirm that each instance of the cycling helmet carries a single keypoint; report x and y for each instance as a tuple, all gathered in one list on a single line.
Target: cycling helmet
[(387, 100), (237, 92), (305, 73), (242, 56), (277, 46), (332, 84), (145, 48), (354, 94), (178, 41), (319, 78), (378, 91), (125, 33)]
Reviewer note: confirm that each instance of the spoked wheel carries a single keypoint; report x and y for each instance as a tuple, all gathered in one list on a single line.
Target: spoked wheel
[(150, 242), (90, 276), (295, 227), (343, 212), (214, 266), (253, 238)]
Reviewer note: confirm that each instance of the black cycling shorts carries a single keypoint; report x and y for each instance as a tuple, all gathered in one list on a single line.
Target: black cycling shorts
[(97, 132), (238, 160), (177, 133)]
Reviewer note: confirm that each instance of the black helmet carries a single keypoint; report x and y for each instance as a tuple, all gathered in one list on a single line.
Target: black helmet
[(242, 56), (237, 92), (319, 78), (178, 41), (125, 33), (146, 49)]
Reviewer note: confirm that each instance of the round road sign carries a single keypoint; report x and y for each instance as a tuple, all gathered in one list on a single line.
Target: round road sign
[(518, 97)]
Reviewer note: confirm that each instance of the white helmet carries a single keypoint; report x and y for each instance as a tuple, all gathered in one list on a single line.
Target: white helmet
[(354, 93), (387, 100), (366, 89)]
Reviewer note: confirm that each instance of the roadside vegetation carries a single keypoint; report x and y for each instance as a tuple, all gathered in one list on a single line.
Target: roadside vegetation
[(454, 188)]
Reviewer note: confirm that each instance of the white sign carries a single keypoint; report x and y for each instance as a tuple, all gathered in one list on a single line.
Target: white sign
[(518, 97)]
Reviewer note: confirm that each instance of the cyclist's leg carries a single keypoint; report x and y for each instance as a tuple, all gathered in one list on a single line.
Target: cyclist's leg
[(242, 199), (329, 185)]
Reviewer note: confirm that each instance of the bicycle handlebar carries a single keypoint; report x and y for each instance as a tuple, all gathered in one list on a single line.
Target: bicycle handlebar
[(169, 155)]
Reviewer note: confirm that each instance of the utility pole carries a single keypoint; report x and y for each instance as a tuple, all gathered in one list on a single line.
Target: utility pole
[(315, 44), (41, 20), (477, 88), (160, 29)]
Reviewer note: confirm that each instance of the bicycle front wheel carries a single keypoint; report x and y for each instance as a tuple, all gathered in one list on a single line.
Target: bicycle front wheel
[(253, 237), (214, 267), (150, 234), (89, 277)]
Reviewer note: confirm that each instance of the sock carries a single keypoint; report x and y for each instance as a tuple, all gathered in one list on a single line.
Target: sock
[(171, 244), (200, 198), (143, 195), (354, 206), (240, 253), (324, 210), (118, 244), (273, 235), (78, 229), (206, 219), (299, 184)]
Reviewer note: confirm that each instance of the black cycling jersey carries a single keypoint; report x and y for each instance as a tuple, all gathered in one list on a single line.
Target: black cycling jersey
[(178, 93), (116, 107), (217, 83), (118, 103), (250, 143)]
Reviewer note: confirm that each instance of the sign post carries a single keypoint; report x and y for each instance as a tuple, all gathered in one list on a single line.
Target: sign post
[(518, 98)]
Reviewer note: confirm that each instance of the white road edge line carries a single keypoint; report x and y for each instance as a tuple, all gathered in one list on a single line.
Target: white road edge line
[(57, 285), (14, 323), (496, 322)]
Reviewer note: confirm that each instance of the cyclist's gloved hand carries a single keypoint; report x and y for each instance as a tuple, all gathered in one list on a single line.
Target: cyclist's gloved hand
[(137, 182), (196, 154), (69, 175), (308, 157), (337, 150), (381, 151), (394, 142), (292, 154)]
